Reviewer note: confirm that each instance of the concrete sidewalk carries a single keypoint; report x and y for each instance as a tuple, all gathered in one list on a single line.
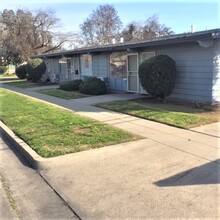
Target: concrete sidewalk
[(173, 173), (209, 129), (143, 179)]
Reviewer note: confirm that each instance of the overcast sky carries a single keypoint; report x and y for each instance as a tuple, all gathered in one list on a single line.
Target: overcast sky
[(178, 15)]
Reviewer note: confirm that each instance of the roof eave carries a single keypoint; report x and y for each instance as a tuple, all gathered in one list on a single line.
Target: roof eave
[(133, 45)]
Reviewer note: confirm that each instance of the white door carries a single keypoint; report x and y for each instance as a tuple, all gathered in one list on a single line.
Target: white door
[(76, 68), (132, 72), (69, 69), (63, 70)]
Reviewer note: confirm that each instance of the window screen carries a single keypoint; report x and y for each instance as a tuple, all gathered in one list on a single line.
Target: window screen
[(118, 65), (146, 55)]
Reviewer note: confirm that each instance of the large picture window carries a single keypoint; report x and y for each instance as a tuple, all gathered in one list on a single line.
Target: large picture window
[(118, 65), (86, 64)]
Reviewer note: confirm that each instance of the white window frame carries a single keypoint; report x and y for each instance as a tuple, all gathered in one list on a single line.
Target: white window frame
[(146, 52), (130, 54)]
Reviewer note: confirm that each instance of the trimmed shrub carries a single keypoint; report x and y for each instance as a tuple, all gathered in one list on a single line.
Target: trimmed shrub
[(35, 69), (3, 69), (71, 85), (21, 72), (158, 75), (93, 86)]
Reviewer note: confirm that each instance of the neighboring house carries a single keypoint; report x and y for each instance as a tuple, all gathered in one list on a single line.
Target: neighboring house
[(197, 57)]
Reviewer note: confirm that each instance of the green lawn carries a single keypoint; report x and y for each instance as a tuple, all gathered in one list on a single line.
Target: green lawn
[(52, 131), (171, 115), (62, 94), (22, 84)]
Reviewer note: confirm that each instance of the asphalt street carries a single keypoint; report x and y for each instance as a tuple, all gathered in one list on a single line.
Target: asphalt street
[(24, 193)]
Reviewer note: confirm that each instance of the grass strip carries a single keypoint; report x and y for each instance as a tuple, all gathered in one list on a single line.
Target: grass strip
[(162, 115), (62, 94), (52, 131), (22, 84)]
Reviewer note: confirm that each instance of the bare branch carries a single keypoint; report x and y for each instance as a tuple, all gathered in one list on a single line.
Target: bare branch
[(25, 33), (101, 26), (149, 29), (55, 47)]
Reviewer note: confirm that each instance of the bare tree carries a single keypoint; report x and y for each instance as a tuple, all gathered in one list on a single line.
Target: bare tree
[(101, 26), (25, 33), (149, 29)]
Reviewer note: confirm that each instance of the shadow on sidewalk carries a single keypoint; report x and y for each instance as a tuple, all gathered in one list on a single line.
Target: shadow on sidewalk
[(205, 174), (20, 157)]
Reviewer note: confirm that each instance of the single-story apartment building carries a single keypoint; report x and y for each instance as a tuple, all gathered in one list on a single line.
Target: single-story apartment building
[(197, 57)]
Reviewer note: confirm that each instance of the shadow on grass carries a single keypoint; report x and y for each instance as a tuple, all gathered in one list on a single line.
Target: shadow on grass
[(208, 173), (170, 105)]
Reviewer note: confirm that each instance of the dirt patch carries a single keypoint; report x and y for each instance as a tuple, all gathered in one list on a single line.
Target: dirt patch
[(80, 130)]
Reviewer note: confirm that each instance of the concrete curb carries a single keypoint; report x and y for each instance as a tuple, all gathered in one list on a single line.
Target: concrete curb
[(30, 155)]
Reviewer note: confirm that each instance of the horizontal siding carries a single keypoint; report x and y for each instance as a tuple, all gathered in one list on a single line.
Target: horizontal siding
[(194, 75), (193, 81), (188, 86), (191, 98), (194, 63), (202, 70), (197, 92), (117, 84), (194, 72)]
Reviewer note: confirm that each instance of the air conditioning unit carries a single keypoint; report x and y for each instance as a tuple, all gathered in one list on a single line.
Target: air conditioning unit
[(102, 78)]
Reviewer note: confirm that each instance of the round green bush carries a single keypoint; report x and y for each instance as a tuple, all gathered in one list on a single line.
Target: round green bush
[(35, 69), (71, 85), (157, 75), (93, 86), (3, 69), (21, 72)]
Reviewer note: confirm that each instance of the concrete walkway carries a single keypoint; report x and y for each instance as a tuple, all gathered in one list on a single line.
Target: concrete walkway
[(210, 129), (173, 173)]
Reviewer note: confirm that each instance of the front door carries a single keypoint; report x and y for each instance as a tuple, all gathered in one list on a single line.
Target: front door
[(132, 72), (69, 69), (76, 68)]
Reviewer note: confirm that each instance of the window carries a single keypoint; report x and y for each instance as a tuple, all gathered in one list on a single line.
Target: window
[(87, 60), (48, 64), (62, 60), (86, 64), (146, 55), (118, 65)]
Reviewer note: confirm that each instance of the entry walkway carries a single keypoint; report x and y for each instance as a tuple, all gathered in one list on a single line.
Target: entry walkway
[(172, 173)]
